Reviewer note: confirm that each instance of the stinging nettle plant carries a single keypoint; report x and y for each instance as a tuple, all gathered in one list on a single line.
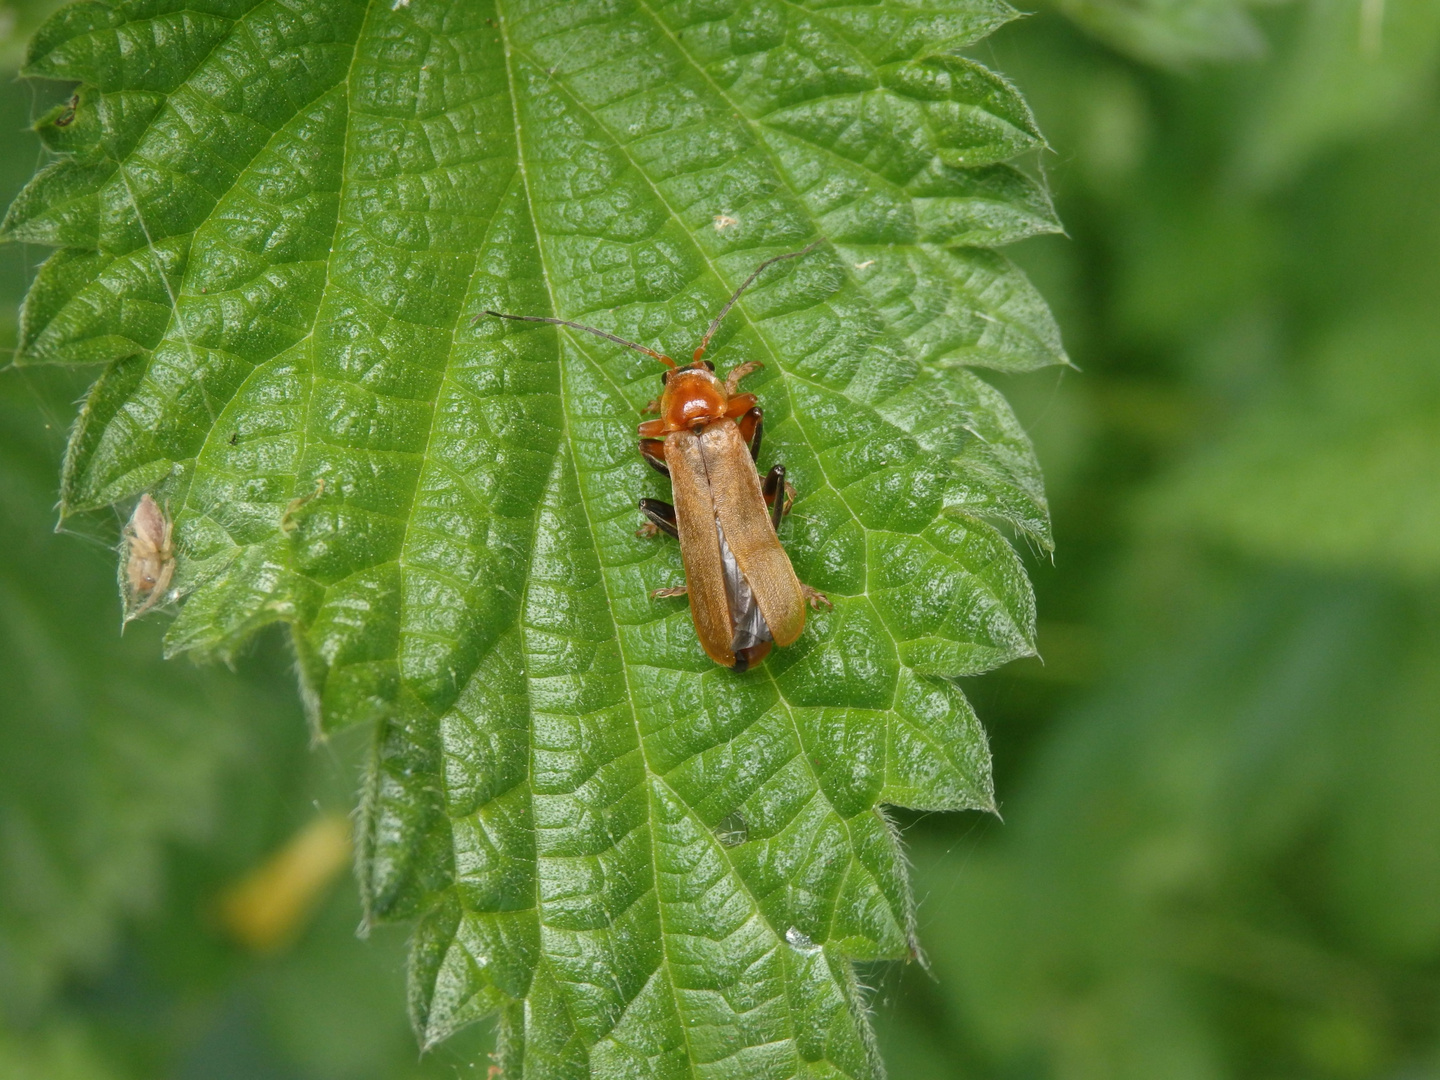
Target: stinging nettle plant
[(275, 223)]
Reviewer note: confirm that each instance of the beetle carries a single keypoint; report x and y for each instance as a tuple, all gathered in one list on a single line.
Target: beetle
[(744, 595)]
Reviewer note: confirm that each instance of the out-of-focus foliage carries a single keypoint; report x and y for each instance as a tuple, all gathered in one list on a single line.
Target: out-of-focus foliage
[(18, 20), (62, 1053), (1222, 849), (1352, 68), (1171, 33), (1220, 855), (101, 761)]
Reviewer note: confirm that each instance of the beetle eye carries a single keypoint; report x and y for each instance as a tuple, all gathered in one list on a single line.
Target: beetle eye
[(708, 364), (664, 377)]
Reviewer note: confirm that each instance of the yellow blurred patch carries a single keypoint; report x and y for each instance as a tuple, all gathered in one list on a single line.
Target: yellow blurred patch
[(267, 909)]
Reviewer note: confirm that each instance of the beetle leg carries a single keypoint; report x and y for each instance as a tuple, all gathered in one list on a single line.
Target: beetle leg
[(737, 405), (662, 518), (652, 429), (771, 487), (653, 451), (752, 424), (815, 597), (653, 405), (662, 594), (732, 381)]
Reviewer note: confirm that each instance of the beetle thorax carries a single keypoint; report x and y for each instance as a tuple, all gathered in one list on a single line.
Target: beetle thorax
[(693, 397)]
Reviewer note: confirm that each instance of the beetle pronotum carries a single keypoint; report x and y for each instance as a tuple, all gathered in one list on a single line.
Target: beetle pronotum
[(744, 595)]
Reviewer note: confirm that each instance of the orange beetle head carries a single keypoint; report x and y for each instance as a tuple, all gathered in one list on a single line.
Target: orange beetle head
[(693, 396)]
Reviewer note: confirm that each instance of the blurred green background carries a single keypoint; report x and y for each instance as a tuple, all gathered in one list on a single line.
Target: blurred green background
[(1221, 847)]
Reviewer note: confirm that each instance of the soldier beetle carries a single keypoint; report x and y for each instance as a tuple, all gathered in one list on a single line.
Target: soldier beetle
[(744, 595)]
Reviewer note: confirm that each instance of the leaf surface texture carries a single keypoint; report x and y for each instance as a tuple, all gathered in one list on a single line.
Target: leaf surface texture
[(276, 224)]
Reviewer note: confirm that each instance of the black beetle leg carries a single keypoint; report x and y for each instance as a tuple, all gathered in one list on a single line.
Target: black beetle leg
[(752, 426), (777, 494), (653, 451), (661, 517)]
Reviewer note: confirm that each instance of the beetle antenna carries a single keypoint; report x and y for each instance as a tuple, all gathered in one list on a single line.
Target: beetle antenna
[(705, 341), (581, 326)]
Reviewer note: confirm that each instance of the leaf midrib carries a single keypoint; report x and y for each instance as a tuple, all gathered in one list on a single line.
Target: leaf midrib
[(759, 333), (597, 368), (753, 128), (563, 451), (699, 249), (627, 663)]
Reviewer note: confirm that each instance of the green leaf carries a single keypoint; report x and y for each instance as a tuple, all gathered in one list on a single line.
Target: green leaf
[(277, 225)]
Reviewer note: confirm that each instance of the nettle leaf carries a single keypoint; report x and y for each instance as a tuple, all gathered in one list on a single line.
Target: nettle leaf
[(277, 223)]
